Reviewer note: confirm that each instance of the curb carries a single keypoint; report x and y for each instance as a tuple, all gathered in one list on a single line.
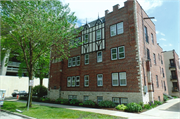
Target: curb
[(14, 113)]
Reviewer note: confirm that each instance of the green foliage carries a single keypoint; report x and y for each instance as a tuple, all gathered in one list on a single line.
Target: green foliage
[(65, 101), (58, 100), (74, 102), (80, 104), (89, 103), (147, 106), (174, 97), (165, 98), (46, 112), (157, 102), (121, 107), (141, 103), (40, 91), (106, 104), (134, 107)]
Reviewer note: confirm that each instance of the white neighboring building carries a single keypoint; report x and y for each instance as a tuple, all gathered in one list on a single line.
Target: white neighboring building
[(172, 66)]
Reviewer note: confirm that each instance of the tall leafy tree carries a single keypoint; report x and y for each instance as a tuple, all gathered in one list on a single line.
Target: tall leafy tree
[(34, 28)]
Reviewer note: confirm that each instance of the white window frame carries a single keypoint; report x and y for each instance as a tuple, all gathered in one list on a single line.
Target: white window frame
[(99, 58), (115, 100), (113, 54), (154, 56), (122, 78), (100, 80), (121, 52), (86, 80), (86, 97), (78, 61), (68, 81), (123, 99), (115, 79), (99, 99), (113, 29), (120, 29), (73, 81), (86, 39), (86, 59), (74, 62), (69, 62), (98, 34), (77, 80)]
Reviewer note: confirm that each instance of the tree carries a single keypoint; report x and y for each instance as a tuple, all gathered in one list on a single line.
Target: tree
[(34, 28)]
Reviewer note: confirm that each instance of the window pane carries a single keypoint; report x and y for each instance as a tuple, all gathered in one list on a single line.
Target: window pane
[(116, 100), (115, 79), (78, 60), (121, 52), (124, 100), (69, 62), (122, 76), (114, 53), (113, 30), (98, 34), (77, 80), (69, 82), (100, 79), (99, 56), (120, 28), (73, 81)]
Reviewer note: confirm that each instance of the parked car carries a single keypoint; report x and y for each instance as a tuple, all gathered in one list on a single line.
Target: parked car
[(20, 93)]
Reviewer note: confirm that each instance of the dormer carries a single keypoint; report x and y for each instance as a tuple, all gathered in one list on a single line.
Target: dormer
[(86, 26)]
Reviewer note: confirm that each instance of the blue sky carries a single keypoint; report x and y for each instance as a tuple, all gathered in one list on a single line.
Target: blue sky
[(166, 13)]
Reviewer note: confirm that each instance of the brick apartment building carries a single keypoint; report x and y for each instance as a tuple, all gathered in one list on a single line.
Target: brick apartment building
[(172, 67), (118, 60)]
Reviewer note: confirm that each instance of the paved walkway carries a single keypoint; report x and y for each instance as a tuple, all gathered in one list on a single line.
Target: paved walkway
[(169, 110)]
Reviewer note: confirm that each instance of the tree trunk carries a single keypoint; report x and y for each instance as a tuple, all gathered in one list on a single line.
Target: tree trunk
[(30, 88), (41, 81)]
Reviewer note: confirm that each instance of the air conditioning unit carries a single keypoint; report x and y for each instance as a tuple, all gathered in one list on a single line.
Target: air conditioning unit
[(145, 89)]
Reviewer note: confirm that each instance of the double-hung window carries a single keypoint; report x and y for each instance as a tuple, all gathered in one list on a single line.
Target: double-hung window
[(86, 80), (69, 82), (114, 54), (99, 56), (115, 81), (119, 80), (152, 38), (122, 76), (157, 82), (99, 80), (86, 58), (113, 30), (78, 60), (146, 34), (154, 56), (120, 28), (86, 38), (121, 52), (74, 61), (77, 80), (98, 34), (148, 54), (69, 62), (73, 81)]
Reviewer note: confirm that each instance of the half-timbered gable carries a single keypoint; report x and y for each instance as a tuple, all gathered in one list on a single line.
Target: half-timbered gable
[(93, 37)]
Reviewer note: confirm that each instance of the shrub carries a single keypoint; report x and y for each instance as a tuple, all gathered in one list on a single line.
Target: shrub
[(121, 107), (46, 99), (157, 102), (80, 104), (141, 103), (106, 104), (65, 101), (147, 106), (23, 98), (74, 102), (89, 103), (165, 98), (134, 107), (39, 91), (58, 100), (36, 99), (174, 97)]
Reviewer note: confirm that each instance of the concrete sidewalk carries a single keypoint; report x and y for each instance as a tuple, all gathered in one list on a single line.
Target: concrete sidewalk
[(160, 112)]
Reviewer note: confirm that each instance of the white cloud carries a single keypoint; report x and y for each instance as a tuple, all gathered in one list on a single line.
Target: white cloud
[(157, 32), (91, 8), (170, 44), (154, 20), (162, 34), (162, 39)]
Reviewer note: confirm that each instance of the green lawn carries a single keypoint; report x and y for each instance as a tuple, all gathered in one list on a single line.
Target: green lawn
[(38, 111)]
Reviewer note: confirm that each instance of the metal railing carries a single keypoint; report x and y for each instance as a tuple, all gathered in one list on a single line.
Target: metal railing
[(16, 64), (172, 66)]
